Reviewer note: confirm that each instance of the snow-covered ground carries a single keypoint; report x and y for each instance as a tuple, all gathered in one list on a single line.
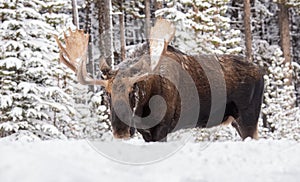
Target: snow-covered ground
[(78, 161)]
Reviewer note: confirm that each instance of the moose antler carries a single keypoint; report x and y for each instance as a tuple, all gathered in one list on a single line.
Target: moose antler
[(74, 56), (160, 35)]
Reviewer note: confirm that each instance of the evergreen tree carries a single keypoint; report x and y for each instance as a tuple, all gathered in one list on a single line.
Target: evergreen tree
[(281, 119), (32, 97), (202, 26)]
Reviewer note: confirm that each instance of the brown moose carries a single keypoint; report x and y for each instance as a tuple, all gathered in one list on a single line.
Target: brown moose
[(160, 89)]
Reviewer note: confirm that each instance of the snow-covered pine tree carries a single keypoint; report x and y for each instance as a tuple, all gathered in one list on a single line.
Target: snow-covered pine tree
[(32, 99), (281, 119), (91, 108), (265, 22), (289, 3), (58, 14), (135, 8), (202, 26)]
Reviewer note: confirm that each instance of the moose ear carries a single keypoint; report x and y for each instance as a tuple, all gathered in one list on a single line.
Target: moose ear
[(160, 35)]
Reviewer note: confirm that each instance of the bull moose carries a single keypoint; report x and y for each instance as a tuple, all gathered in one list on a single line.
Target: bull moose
[(171, 89)]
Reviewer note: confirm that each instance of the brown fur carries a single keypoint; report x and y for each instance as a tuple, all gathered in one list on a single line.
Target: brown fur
[(244, 88), (225, 86)]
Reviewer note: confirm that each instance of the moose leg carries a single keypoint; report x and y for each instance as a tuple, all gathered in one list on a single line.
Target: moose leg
[(132, 131), (247, 122), (246, 128), (146, 134), (159, 132), (227, 120)]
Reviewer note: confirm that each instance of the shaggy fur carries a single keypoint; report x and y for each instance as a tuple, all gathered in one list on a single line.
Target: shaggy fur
[(244, 91)]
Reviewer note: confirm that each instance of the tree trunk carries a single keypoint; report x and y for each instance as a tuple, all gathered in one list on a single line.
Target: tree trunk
[(90, 64), (122, 31), (148, 17), (285, 42), (75, 14), (105, 34), (247, 25), (284, 32)]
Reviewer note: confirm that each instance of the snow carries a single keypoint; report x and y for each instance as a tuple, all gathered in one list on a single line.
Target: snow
[(11, 62), (5, 101), (17, 113), (27, 48), (77, 160)]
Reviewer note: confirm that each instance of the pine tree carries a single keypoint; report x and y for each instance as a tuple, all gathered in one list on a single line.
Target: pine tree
[(202, 26), (281, 118), (32, 98)]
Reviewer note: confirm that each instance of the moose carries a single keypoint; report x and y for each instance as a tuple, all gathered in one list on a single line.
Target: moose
[(160, 89)]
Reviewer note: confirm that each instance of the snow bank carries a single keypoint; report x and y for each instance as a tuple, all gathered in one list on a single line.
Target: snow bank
[(63, 161)]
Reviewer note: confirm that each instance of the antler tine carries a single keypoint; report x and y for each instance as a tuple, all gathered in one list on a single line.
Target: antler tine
[(67, 63), (84, 79), (61, 48), (74, 55)]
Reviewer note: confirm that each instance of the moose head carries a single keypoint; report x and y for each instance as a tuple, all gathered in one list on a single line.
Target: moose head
[(129, 84)]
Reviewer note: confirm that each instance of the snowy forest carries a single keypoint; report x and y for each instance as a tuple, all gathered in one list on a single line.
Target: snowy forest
[(40, 98)]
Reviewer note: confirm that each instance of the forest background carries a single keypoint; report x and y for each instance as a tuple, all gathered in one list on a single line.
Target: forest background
[(40, 98)]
